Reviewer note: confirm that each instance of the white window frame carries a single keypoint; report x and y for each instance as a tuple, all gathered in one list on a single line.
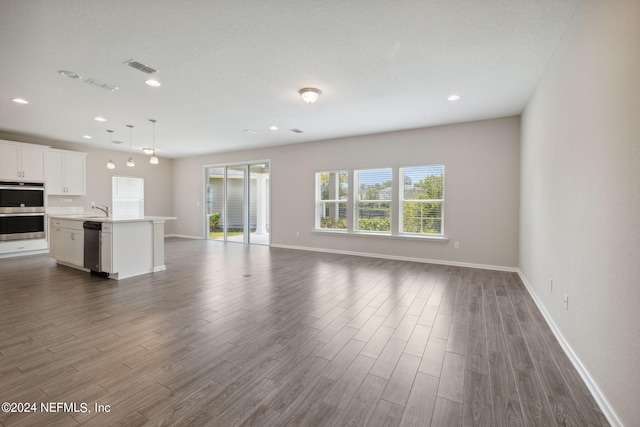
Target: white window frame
[(320, 203), (401, 200)]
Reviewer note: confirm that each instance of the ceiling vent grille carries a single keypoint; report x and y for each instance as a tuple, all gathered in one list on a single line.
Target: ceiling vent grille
[(294, 130), (107, 86), (139, 66)]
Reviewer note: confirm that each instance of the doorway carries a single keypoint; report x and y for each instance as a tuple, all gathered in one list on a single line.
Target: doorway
[(237, 203)]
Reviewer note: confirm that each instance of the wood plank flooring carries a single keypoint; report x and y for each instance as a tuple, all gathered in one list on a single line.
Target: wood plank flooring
[(232, 335)]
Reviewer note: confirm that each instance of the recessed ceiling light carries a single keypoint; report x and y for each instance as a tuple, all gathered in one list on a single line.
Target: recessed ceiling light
[(87, 136), (453, 97), (20, 100), (99, 119), (153, 83), (273, 127), (69, 74)]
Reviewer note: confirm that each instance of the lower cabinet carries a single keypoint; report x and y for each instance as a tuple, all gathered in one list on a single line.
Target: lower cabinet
[(67, 242), (106, 248)]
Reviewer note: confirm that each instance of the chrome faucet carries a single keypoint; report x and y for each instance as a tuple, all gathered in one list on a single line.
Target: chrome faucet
[(104, 209)]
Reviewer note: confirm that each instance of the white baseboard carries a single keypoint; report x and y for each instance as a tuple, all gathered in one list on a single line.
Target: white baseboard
[(600, 398), (184, 236), (399, 258)]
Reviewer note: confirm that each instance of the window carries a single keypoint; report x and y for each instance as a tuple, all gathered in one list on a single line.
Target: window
[(373, 201), (127, 196), (421, 199), (332, 193)]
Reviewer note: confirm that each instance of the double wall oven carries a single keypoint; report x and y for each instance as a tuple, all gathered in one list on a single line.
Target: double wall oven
[(22, 210)]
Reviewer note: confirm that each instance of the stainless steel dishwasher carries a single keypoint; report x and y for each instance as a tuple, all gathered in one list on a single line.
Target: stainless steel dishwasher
[(92, 255)]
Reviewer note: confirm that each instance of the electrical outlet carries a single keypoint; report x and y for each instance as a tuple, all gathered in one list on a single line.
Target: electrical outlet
[(93, 205), (456, 245), (550, 285), (566, 301)]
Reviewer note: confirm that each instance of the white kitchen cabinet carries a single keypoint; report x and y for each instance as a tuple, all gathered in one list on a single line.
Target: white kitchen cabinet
[(66, 172), (106, 248), (23, 162), (67, 242)]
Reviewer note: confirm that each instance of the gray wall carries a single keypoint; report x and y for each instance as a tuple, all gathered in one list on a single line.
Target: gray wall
[(482, 185), (580, 196)]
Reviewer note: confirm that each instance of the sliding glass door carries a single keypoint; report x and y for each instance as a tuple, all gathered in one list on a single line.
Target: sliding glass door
[(237, 203)]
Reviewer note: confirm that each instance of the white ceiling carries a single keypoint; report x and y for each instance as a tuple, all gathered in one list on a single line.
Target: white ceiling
[(226, 66)]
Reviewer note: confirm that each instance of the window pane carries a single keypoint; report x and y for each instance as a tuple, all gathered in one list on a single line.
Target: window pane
[(374, 200), (422, 193), (127, 197), (331, 204)]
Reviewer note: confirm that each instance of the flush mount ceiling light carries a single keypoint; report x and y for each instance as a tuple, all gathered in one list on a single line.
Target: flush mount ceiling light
[(87, 136), (310, 94), (453, 97), (99, 119), (110, 164), (130, 163), (154, 160), (20, 100), (153, 83), (147, 150)]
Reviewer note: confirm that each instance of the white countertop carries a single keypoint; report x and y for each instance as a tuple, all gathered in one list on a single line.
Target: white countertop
[(102, 218)]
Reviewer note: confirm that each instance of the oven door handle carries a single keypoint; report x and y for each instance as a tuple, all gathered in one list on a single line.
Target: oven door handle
[(20, 187), (21, 214)]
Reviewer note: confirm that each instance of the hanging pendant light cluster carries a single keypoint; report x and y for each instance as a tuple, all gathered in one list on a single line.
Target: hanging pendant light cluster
[(154, 160)]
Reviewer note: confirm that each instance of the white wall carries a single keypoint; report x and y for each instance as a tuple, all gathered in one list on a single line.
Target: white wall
[(481, 185), (580, 196)]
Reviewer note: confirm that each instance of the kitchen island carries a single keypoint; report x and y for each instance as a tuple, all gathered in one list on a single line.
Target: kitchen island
[(127, 246)]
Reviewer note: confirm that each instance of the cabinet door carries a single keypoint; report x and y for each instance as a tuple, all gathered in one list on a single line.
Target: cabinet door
[(9, 161), (75, 174), (32, 160), (106, 241), (55, 164), (76, 247)]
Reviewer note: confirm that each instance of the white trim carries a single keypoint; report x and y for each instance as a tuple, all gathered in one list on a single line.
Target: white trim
[(404, 236), (24, 253), (400, 258), (597, 394), (184, 236)]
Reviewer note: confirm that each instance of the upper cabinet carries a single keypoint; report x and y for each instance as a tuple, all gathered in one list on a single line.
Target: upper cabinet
[(21, 162), (66, 173)]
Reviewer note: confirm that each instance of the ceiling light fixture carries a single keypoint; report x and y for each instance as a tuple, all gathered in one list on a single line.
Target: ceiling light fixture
[(87, 136), (154, 159), (110, 164), (274, 127), (99, 119), (130, 163), (20, 100), (453, 97), (147, 150), (310, 94), (153, 83)]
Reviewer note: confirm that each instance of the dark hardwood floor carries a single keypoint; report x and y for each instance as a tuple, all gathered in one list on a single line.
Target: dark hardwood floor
[(234, 335)]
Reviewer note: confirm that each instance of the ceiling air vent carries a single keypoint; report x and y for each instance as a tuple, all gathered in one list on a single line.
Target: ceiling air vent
[(139, 66), (294, 130), (107, 86)]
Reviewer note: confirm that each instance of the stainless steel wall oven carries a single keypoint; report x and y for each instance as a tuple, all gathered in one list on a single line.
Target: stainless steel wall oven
[(22, 211)]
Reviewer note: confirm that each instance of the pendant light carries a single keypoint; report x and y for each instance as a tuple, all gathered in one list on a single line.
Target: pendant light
[(154, 159), (130, 163), (110, 164)]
